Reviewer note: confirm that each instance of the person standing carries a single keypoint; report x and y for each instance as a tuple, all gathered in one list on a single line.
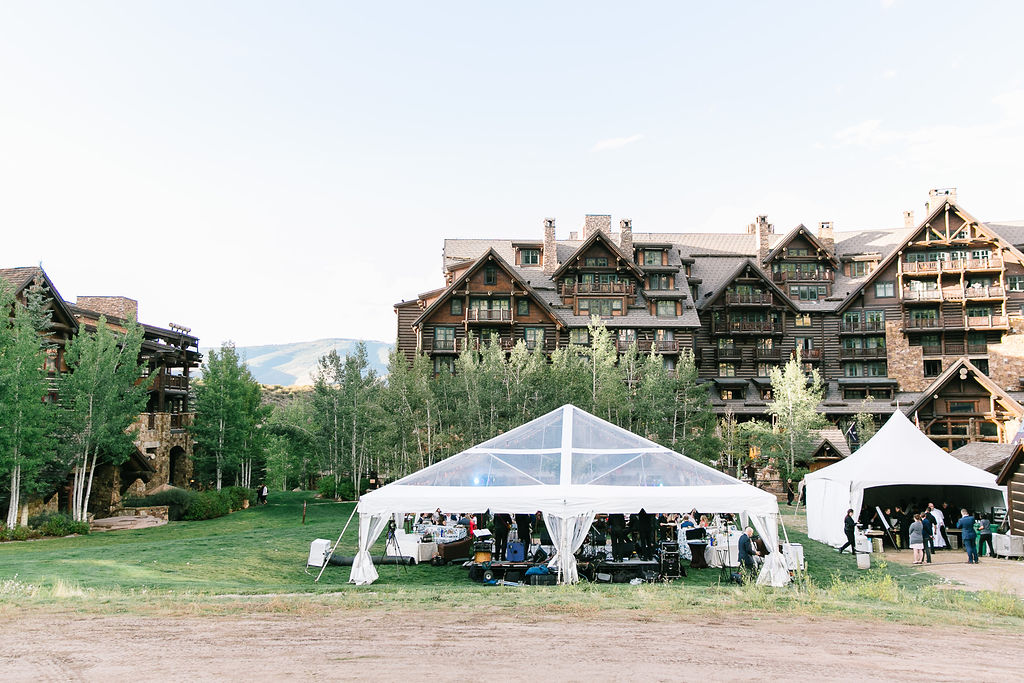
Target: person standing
[(966, 527), (502, 523), (849, 525), (928, 534), (524, 524), (789, 491), (645, 534), (939, 520), (985, 537), (904, 520), (617, 530), (915, 533), (263, 493)]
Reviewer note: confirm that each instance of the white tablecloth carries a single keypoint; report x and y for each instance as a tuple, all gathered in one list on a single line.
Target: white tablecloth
[(717, 556), (794, 554)]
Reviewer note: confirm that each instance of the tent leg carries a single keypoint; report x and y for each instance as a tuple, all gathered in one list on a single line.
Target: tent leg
[(331, 554)]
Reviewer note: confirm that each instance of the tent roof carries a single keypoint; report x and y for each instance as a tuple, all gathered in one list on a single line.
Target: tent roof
[(900, 453), (563, 461)]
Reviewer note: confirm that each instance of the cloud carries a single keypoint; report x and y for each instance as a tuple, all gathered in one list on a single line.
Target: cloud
[(887, 4), (615, 143), (889, 74)]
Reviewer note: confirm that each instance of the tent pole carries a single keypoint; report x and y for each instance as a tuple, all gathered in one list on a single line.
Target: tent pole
[(331, 554)]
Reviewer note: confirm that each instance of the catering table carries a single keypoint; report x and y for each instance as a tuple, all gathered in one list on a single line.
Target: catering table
[(441, 533), (794, 554), (412, 545), (721, 553), (698, 554)]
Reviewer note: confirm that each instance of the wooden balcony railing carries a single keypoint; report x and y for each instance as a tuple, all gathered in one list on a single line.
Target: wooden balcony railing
[(977, 348), (756, 299), (816, 276), (179, 382), (575, 288), (931, 349), (927, 323), (851, 354), (497, 315), (862, 326), (622, 345), (809, 354), (747, 326), (956, 322), (953, 293), (431, 344), (922, 294), (953, 349), (927, 267), (986, 321), (666, 345), (729, 352), (990, 292), (768, 354)]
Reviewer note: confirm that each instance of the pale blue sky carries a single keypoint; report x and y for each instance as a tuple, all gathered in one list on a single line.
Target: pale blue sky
[(271, 172)]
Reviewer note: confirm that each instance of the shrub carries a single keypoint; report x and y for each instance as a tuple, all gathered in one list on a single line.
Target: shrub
[(52, 524), (236, 496), (177, 501), (207, 505), (326, 488), (21, 533)]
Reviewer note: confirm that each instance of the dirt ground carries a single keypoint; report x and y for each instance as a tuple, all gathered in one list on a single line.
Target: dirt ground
[(417, 645), (990, 573)]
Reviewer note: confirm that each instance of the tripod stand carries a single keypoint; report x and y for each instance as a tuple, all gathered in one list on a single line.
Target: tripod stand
[(391, 543)]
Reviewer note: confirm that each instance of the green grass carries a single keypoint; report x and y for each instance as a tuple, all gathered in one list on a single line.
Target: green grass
[(254, 560)]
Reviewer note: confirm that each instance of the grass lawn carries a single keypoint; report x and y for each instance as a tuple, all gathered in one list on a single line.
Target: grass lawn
[(256, 557)]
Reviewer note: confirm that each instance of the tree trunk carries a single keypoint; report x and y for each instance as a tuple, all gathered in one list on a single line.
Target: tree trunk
[(12, 510), (88, 491)]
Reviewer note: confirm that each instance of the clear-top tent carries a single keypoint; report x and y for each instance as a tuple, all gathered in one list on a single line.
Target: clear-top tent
[(569, 465)]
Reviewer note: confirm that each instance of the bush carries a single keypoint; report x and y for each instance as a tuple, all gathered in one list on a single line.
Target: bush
[(236, 496), (177, 501), (344, 491), (53, 524), (207, 505), (326, 488)]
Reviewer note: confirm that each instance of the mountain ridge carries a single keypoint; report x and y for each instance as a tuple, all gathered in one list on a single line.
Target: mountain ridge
[(293, 363)]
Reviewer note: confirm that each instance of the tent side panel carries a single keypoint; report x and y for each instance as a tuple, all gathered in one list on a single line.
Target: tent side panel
[(827, 503)]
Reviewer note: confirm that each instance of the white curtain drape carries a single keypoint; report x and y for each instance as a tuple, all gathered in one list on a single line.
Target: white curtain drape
[(774, 571), (370, 528), (567, 534)]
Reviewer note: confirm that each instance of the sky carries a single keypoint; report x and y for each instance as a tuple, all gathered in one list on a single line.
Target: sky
[(271, 172)]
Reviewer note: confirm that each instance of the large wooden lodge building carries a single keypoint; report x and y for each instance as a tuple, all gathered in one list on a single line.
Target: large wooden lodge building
[(164, 445), (927, 317)]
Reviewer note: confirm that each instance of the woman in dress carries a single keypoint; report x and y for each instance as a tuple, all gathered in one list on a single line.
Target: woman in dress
[(917, 539)]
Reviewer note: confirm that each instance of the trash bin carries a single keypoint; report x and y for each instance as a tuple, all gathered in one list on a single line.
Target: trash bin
[(876, 545), (863, 561)]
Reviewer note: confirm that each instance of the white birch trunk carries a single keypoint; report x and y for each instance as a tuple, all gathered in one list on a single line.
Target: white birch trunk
[(12, 510)]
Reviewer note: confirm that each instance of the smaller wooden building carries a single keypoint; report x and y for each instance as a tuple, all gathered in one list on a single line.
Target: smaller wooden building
[(1012, 477)]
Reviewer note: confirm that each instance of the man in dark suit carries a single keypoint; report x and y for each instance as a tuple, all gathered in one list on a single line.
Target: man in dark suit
[(524, 523), (617, 530), (502, 523), (748, 566), (645, 534), (849, 524)]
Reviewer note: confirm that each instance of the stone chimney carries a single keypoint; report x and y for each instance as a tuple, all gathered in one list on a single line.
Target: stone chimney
[(596, 223), (550, 247), (626, 236), (939, 196), (827, 236), (110, 306), (762, 231), (908, 219)]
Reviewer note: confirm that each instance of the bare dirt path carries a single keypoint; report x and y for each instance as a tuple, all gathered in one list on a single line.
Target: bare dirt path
[(432, 645), (992, 574)]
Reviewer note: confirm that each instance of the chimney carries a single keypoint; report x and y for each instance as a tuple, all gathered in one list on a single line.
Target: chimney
[(596, 223), (762, 231), (626, 236), (550, 247), (938, 196), (827, 236), (908, 219), (110, 306)]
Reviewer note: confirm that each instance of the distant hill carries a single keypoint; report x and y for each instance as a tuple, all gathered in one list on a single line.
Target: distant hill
[(294, 364)]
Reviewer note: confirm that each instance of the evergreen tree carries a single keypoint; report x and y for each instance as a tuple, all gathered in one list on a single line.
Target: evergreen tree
[(102, 399), (25, 419), (794, 405)]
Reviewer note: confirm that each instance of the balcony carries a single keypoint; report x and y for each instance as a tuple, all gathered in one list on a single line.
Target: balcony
[(988, 322), (816, 276), (954, 293), (666, 345), (931, 323), (587, 288), (861, 326), (622, 345), (756, 299), (931, 349), (979, 293), (432, 345), (934, 267), (484, 315), (746, 327), (983, 322), (809, 354), (922, 294), (977, 349), (857, 354), (169, 382), (729, 352), (768, 354)]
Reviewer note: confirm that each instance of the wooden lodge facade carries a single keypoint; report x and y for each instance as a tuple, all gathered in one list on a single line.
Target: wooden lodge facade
[(164, 445), (928, 317)]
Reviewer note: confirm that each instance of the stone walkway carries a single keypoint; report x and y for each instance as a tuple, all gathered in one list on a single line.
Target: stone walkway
[(126, 522)]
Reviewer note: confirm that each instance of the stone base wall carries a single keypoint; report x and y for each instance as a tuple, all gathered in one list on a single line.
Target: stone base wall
[(905, 362), (158, 440), (1006, 360), (158, 511)]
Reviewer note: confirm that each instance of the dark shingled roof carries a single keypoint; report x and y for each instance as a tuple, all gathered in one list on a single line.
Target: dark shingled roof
[(984, 455)]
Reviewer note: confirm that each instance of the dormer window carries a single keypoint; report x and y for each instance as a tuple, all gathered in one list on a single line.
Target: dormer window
[(490, 275), (529, 257), (652, 257)]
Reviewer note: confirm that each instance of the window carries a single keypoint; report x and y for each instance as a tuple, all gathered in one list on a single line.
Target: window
[(726, 370), (807, 292), (523, 307), (766, 394), (579, 335), (875, 369), (666, 309), (854, 394), (797, 251), (802, 320), (456, 306), (885, 289), (652, 257), (853, 369), (444, 338), (851, 320), (875, 320), (664, 335), (669, 363), (596, 261), (857, 269), (962, 406), (728, 395), (602, 307), (981, 254), (490, 275), (804, 343), (1015, 283), (874, 342), (657, 282), (764, 369), (981, 364), (627, 336), (979, 311), (529, 257), (534, 337), (444, 364)]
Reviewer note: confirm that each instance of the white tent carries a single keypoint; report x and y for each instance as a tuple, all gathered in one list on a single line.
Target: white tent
[(898, 455), (569, 465)]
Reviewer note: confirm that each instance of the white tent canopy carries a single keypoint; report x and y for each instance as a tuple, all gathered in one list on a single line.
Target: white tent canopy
[(899, 454), (569, 465)]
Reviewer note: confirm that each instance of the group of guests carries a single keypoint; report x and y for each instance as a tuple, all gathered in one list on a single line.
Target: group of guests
[(517, 528)]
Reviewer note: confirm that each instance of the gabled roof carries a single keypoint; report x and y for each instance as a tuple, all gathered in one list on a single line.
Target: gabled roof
[(984, 455), (746, 263), (979, 376), (590, 241), (488, 255), (1011, 466), (909, 237), (832, 436), (798, 230), (21, 278)]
